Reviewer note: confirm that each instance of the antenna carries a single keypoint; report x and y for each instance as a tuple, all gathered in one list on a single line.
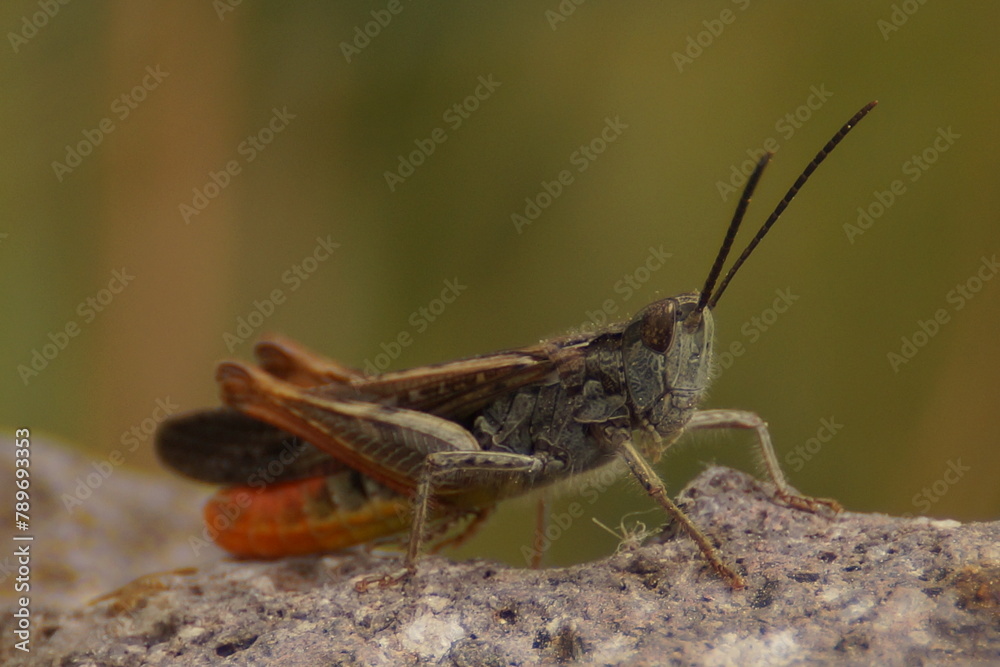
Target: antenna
[(778, 210), (727, 242)]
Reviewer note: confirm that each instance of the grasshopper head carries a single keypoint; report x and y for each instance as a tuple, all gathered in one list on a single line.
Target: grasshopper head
[(667, 350)]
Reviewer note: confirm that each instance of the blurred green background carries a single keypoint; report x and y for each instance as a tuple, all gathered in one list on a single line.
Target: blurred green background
[(210, 75)]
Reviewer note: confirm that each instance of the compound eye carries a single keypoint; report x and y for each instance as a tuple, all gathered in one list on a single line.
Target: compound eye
[(658, 325)]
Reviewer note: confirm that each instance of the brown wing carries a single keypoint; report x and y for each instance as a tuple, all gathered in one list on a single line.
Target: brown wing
[(386, 443), (453, 389), (456, 389)]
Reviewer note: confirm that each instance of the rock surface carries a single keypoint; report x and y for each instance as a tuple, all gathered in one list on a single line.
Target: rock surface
[(861, 588), (96, 526)]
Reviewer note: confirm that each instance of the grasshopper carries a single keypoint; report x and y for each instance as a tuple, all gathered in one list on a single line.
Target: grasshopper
[(347, 455)]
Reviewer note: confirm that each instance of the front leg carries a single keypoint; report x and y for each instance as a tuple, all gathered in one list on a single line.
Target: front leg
[(654, 486), (749, 420)]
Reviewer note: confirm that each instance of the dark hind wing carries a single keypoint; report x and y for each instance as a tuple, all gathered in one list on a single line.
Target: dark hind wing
[(223, 446)]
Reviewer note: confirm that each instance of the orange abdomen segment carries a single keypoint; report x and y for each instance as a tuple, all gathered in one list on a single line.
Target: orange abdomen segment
[(295, 518)]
